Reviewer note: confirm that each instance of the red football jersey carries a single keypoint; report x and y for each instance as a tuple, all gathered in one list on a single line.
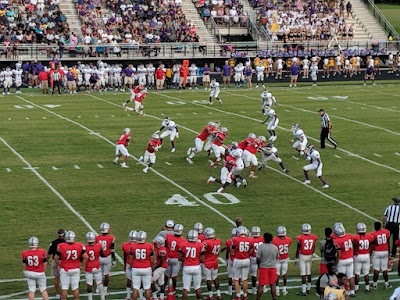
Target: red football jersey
[(228, 245), (201, 237), (283, 244), (152, 144), (219, 139), (381, 238), (137, 89), (254, 146), (345, 245), (209, 129), (362, 243), (71, 255), (230, 162), (93, 252), (34, 260), (124, 139), (243, 144), (257, 242), (191, 252), (139, 97), (307, 243), (125, 248), (212, 248), (161, 252), (242, 246), (141, 255), (172, 244), (106, 241)]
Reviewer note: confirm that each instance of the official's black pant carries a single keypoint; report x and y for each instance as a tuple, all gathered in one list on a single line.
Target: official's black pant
[(325, 134), (56, 84), (394, 235)]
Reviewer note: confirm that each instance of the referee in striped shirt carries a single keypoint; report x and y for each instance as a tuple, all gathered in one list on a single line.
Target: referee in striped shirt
[(326, 128), (391, 221)]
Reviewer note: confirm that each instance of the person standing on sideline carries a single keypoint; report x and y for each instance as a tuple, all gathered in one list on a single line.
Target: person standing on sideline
[(57, 79), (326, 129), (267, 258), (294, 74), (50, 254), (391, 222)]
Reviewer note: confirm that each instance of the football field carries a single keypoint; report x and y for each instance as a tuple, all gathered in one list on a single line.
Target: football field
[(57, 171)]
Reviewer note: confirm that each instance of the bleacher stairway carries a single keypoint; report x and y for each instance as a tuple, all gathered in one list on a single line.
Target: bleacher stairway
[(68, 9)]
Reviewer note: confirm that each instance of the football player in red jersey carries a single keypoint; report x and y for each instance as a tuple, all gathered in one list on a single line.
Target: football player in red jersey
[(132, 238), (35, 263), (142, 259), (199, 141), (149, 157), (212, 248), (172, 243), (304, 252), (247, 141), (344, 254), (218, 146), (257, 240), (138, 102), (160, 267), (362, 261), (249, 154), (200, 230), (283, 243), (94, 251), (229, 258), (191, 254), (107, 241), (380, 254), (242, 248), (134, 92), (70, 257), (226, 175), (121, 150)]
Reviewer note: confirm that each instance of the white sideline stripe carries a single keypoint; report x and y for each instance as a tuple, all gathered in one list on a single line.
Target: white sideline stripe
[(369, 105), (311, 138), (61, 197), (156, 172)]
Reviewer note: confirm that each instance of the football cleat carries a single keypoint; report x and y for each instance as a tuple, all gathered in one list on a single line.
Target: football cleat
[(361, 228), (325, 186), (189, 160), (238, 184), (178, 229), (173, 150), (198, 227), (220, 190), (90, 237), (210, 179), (105, 228), (33, 242), (145, 170), (189, 151), (307, 181), (244, 181), (306, 228), (192, 236)]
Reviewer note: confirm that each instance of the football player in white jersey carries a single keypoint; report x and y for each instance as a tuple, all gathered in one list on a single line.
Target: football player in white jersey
[(172, 132), (300, 142), (269, 152), (338, 64), (267, 100), (101, 82), (238, 74), (314, 165), (326, 68), (273, 119), (314, 73), (260, 74), (17, 72), (1, 78), (141, 74), (117, 77), (193, 76), (214, 91), (150, 76), (279, 67), (8, 80), (306, 67), (391, 63), (236, 171), (176, 78), (87, 73)]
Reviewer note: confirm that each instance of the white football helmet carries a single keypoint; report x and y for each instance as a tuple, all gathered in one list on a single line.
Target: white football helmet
[(234, 232), (252, 135), (256, 231), (339, 230), (178, 229), (234, 145), (70, 237), (169, 224), (192, 236), (237, 153), (145, 91), (159, 241), (90, 237), (331, 296), (224, 130), (281, 231), (133, 235), (166, 120), (361, 228), (211, 123), (198, 227), (142, 236), (241, 230), (295, 127), (33, 242), (105, 228), (127, 130), (217, 124), (262, 138), (155, 136), (306, 228), (209, 232)]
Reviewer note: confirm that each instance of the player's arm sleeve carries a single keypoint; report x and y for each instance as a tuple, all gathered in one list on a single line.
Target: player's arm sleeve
[(298, 249), (161, 128)]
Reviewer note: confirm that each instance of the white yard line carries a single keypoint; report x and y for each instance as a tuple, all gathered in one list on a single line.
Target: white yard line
[(197, 199)]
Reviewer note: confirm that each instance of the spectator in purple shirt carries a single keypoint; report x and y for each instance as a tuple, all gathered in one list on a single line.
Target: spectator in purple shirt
[(226, 73), (71, 83), (129, 76), (206, 76), (294, 74)]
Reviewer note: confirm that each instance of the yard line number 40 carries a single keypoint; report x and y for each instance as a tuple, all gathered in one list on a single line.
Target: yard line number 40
[(215, 198)]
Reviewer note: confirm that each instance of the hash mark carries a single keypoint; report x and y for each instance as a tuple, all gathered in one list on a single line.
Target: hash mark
[(54, 168), (100, 166), (377, 155), (194, 113), (168, 163), (77, 167), (337, 156), (287, 110), (8, 170), (295, 157)]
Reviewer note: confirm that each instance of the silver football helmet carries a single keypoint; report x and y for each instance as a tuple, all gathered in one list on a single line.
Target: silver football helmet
[(281, 231), (90, 237), (159, 241), (155, 136), (237, 153), (192, 236), (178, 229), (306, 228), (209, 232), (142, 236), (262, 138), (339, 230), (234, 232), (133, 235), (224, 130), (70, 237), (252, 135), (361, 228), (127, 130), (105, 228), (33, 242), (198, 227), (241, 230), (256, 231)]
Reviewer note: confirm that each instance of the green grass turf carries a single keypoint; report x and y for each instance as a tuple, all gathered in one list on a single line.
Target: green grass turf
[(129, 199), (391, 12)]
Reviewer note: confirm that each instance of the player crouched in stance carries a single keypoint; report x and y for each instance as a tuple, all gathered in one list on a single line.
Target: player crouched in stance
[(172, 131), (160, 267), (94, 251), (35, 263), (199, 141), (191, 254), (139, 97), (218, 147), (315, 164), (300, 142), (269, 152), (149, 157), (369, 75), (134, 92), (120, 149), (214, 91)]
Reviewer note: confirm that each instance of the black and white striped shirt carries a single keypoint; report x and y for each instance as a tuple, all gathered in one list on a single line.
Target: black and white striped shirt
[(56, 76), (392, 213), (325, 120)]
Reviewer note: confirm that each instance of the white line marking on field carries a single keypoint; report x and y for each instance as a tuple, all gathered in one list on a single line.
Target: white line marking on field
[(243, 112), (96, 116), (100, 166), (295, 157), (79, 117), (210, 113), (194, 113), (168, 163), (179, 114), (112, 116), (57, 193), (8, 170), (77, 167), (397, 153), (9, 119), (27, 118), (334, 108), (55, 168), (377, 155), (362, 107), (135, 158), (287, 110), (31, 168), (44, 118)]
